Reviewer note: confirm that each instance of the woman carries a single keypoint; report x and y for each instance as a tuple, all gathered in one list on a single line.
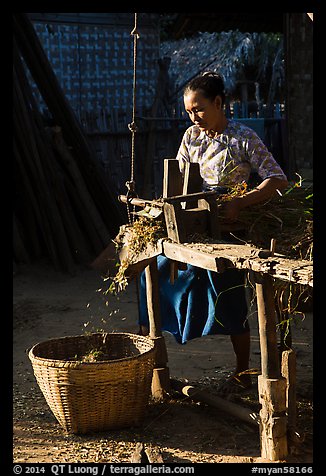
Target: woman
[(201, 302)]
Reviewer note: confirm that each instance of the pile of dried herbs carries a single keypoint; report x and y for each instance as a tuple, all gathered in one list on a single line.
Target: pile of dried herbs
[(92, 355), (288, 218), (141, 233)]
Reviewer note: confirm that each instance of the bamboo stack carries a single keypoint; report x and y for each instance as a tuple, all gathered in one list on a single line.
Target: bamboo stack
[(64, 207)]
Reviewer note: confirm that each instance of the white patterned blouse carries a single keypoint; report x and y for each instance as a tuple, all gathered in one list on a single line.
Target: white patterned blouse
[(230, 157)]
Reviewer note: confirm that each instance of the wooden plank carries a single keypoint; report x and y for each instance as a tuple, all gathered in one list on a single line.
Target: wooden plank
[(175, 226), (172, 178), (151, 250), (192, 183), (179, 252), (217, 256)]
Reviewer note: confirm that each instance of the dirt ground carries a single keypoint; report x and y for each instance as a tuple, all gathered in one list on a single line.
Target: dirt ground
[(52, 304)]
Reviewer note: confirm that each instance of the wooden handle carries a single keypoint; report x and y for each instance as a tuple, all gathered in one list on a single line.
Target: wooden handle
[(139, 202)]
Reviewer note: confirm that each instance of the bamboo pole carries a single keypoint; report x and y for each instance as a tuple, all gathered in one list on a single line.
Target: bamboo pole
[(51, 212), (68, 186), (76, 177), (49, 87), (198, 395), (47, 172)]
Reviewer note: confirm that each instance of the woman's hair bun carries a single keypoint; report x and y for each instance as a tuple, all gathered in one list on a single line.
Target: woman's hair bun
[(211, 73), (210, 83)]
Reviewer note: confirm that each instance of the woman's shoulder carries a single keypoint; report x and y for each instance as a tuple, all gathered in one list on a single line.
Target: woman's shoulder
[(238, 128), (192, 133)]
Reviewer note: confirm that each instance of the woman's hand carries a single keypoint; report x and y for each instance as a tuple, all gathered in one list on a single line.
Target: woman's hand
[(263, 192)]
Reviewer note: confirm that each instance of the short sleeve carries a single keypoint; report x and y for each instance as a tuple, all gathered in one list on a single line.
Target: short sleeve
[(261, 159)]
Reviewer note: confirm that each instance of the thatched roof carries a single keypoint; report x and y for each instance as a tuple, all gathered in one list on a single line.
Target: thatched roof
[(231, 53), (186, 24)]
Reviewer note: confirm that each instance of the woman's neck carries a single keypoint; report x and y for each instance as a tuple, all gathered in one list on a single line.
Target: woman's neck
[(218, 129)]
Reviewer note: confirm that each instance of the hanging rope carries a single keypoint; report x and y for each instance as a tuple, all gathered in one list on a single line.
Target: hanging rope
[(132, 126)]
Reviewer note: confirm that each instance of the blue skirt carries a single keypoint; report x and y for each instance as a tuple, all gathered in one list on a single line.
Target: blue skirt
[(199, 303)]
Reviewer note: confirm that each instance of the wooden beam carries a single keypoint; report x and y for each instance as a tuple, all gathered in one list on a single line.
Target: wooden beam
[(215, 256)]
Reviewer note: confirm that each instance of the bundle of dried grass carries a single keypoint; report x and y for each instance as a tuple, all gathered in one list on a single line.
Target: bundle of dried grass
[(288, 218), (142, 232)]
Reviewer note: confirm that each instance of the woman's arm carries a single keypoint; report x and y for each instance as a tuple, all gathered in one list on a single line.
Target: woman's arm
[(264, 191)]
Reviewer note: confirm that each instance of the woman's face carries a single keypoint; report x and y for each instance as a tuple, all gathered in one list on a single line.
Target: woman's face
[(203, 112)]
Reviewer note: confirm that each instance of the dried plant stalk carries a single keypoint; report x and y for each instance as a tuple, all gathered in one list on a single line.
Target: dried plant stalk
[(143, 232), (288, 217)]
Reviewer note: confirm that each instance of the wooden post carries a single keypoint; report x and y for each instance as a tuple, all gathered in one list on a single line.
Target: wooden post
[(267, 326), (172, 178), (161, 379), (271, 385), (273, 425)]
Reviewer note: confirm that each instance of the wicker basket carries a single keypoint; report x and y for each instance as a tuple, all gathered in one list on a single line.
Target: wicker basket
[(95, 396)]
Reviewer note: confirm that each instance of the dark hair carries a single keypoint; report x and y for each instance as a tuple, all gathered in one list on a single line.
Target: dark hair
[(210, 83)]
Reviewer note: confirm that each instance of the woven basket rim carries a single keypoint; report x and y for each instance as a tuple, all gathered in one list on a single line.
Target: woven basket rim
[(75, 363)]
